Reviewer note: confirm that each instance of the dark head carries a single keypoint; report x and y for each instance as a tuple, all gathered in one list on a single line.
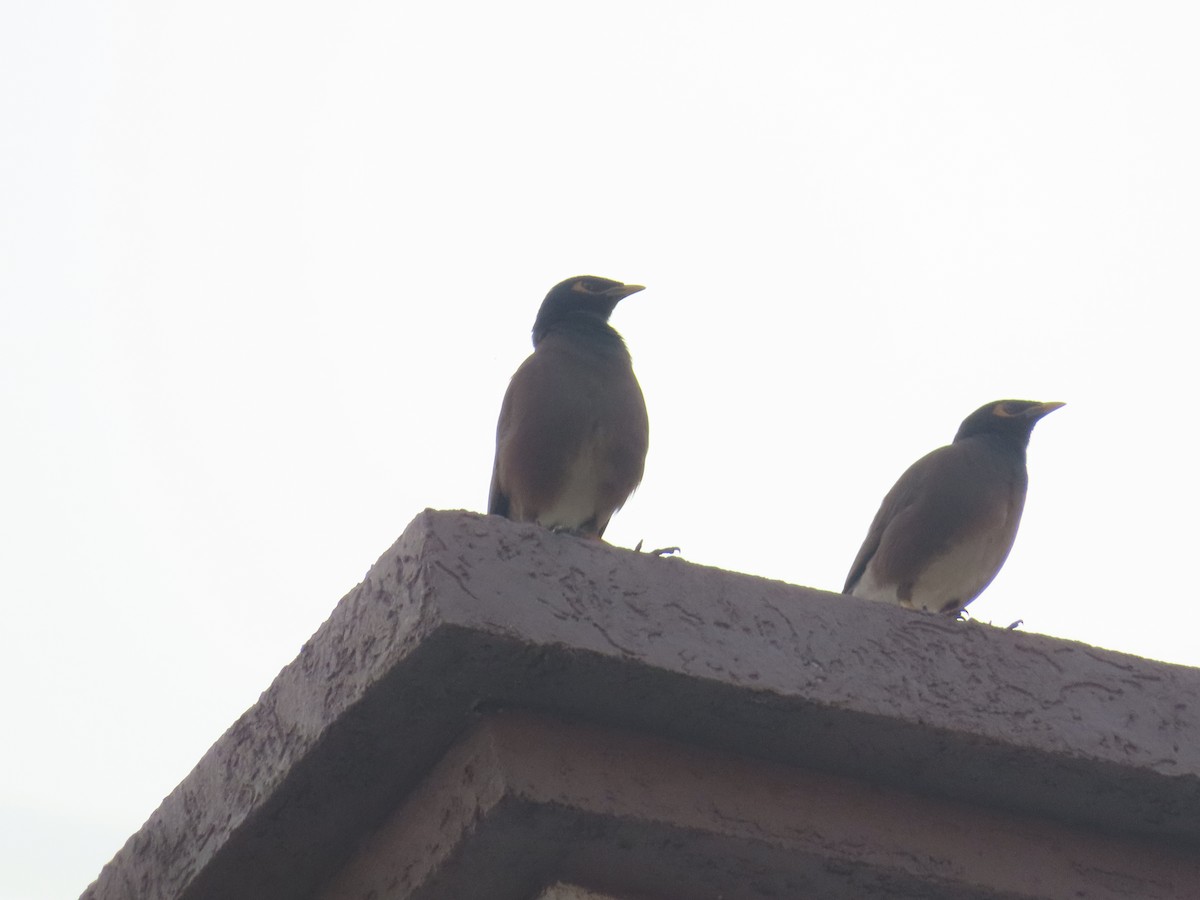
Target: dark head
[(1008, 418), (584, 299)]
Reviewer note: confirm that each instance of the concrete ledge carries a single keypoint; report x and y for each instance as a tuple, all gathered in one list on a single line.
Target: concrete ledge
[(562, 891), (524, 800), (467, 614)]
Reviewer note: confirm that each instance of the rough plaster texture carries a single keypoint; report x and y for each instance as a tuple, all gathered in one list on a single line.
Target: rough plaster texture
[(467, 614), (562, 891)]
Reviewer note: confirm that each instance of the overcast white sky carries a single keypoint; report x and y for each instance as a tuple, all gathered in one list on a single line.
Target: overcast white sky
[(266, 267)]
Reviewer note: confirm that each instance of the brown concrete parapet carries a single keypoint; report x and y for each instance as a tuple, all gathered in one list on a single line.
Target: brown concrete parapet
[(475, 635)]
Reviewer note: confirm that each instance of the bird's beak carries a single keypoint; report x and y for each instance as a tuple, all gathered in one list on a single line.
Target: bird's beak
[(1043, 409), (621, 291)]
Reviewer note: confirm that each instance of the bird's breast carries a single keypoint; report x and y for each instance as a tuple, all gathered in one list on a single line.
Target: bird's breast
[(576, 499), (956, 577)]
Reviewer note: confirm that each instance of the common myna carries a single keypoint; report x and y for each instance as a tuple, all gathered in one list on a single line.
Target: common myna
[(945, 528), (573, 432)]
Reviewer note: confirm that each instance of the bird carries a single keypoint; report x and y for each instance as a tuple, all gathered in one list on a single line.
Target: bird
[(573, 431), (946, 527)]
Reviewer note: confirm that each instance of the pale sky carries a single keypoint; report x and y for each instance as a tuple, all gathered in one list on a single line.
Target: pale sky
[(266, 267)]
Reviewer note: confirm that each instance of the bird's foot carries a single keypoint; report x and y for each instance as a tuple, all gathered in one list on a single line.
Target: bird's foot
[(661, 551), (1015, 625)]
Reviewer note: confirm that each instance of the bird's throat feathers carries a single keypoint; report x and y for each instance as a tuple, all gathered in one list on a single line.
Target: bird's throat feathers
[(585, 328), (1012, 446)]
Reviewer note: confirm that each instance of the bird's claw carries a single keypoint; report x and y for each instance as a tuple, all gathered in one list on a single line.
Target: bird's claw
[(661, 551)]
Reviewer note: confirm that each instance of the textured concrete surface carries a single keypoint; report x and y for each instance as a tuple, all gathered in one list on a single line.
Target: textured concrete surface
[(468, 614), (524, 799), (571, 892)]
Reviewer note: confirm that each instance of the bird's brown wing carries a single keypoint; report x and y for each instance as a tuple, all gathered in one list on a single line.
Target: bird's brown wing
[(623, 442), (511, 408), (498, 504), (497, 499), (899, 501), (542, 426)]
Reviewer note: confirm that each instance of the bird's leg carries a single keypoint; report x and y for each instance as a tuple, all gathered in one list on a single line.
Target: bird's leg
[(581, 532)]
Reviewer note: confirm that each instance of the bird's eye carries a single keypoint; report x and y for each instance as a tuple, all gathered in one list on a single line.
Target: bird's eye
[(583, 286), (1005, 411)]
